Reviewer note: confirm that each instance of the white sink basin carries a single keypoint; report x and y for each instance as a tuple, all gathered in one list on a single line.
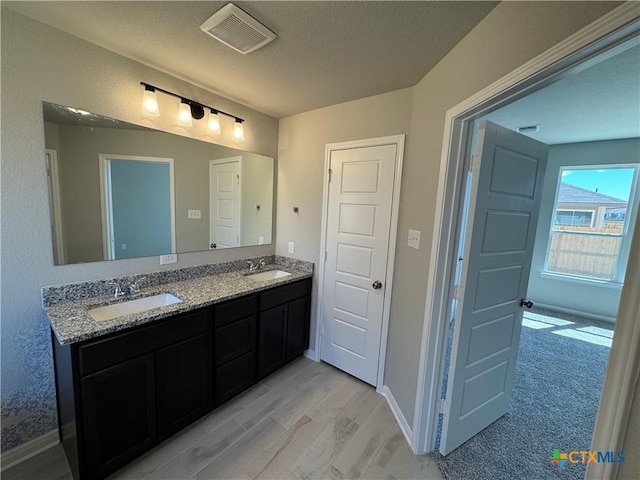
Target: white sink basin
[(268, 275), (121, 309)]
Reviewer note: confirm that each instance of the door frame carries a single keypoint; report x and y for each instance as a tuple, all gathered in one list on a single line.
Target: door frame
[(610, 30), (55, 202), (398, 141), (106, 202), (222, 161)]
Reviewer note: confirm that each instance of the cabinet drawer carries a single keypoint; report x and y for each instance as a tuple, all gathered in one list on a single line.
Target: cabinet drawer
[(104, 353), (286, 293), (234, 339), (235, 376), (234, 310)]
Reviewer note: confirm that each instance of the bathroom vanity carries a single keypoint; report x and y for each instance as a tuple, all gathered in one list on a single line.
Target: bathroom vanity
[(139, 379)]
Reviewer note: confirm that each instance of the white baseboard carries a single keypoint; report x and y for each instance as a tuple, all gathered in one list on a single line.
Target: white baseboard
[(29, 450), (395, 409), (311, 355), (577, 313)]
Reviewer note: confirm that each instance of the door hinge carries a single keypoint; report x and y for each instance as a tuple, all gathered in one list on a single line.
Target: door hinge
[(330, 175), (443, 406), (469, 161)]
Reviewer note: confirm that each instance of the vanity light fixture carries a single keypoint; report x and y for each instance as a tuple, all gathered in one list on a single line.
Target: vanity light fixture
[(214, 122), (238, 130), (189, 110), (184, 114), (150, 102)]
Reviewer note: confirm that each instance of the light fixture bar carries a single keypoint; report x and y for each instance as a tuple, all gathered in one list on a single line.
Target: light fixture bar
[(190, 102)]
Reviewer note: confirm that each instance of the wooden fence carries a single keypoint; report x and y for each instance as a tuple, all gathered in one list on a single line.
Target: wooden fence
[(585, 255)]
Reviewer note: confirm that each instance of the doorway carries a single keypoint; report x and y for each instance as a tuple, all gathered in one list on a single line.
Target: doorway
[(225, 202), (138, 206), (360, 215), (529, 78)]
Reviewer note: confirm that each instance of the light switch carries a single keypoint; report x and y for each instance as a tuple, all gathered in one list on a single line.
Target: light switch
[(194, 214), (414, 239)]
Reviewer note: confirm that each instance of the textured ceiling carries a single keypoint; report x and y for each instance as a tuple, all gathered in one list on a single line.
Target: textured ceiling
[(327, 52), (599, 103)]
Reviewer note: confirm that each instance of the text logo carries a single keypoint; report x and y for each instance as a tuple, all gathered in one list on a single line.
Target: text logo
[(584, 456)]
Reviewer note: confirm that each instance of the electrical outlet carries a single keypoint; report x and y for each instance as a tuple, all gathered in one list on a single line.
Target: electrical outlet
[(194, 214), (170, 258), (292, 247), (124, 246), (414, 239), (260, 240)]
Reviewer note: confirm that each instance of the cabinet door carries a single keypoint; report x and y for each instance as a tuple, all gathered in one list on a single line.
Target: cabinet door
[(297, 327), (182, 383), (234, 377), (271, 340), (118, 414)]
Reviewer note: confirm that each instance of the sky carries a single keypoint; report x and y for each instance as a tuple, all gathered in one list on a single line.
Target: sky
[(615, 182)]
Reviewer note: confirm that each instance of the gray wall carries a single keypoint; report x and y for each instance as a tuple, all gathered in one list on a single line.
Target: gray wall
[(41, 63), (590, 300), (512, 34)]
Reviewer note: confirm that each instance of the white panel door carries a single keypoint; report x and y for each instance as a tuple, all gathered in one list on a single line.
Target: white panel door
[(358, 225), (225, 189), (508, 173)]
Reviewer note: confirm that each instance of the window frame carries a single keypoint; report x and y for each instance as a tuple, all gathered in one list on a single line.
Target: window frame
[(625, 236)]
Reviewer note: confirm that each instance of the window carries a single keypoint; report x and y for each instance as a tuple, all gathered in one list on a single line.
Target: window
[(591, 228)]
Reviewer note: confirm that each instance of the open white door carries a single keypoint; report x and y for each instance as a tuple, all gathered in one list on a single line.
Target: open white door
[(225, 190), (507, 186), (359, 212)]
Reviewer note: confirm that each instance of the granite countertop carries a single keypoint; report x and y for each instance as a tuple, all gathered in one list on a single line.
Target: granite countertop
[(71, 322)]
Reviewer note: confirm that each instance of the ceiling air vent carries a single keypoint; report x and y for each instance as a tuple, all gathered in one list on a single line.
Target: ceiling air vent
[(237, 29), (528, 129)]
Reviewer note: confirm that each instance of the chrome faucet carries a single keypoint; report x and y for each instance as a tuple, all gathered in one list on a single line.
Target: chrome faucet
[(127, 289), (253, 267), (119, 292)]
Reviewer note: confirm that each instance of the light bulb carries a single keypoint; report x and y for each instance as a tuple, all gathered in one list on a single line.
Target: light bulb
[(150, 103), (238, 131), (184, 114), (214, 123)]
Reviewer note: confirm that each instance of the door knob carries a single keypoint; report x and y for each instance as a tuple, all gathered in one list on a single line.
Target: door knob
[(377, 285), (213, 245), (526, 303)]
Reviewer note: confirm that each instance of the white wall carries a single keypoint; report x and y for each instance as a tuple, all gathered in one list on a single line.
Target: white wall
[(41, 63), (587, 299)]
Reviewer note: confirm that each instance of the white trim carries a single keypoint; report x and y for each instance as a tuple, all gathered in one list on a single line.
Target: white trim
[(577, 313), (395, 409), (398, 141), (623, 371), (593, 282), (311, 355), (51, 157), (108, 248), (608, 30), (28, 450)]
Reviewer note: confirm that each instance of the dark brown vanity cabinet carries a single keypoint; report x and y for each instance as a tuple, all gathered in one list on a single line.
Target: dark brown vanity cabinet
[(123, 393), (235, 347), (283, 325)]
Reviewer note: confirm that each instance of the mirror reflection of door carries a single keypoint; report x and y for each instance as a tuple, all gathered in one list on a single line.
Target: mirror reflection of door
[(55, 206), (138, 206), (225, 202)]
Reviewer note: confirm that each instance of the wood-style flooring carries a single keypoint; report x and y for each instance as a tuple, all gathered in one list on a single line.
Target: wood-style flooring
[(306, 421)]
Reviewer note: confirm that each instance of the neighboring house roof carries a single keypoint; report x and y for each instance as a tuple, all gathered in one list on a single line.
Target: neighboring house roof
[(617, 210), (572, 194)]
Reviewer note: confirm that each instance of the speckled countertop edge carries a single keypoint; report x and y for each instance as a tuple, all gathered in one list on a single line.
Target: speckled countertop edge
[(72, 324)]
